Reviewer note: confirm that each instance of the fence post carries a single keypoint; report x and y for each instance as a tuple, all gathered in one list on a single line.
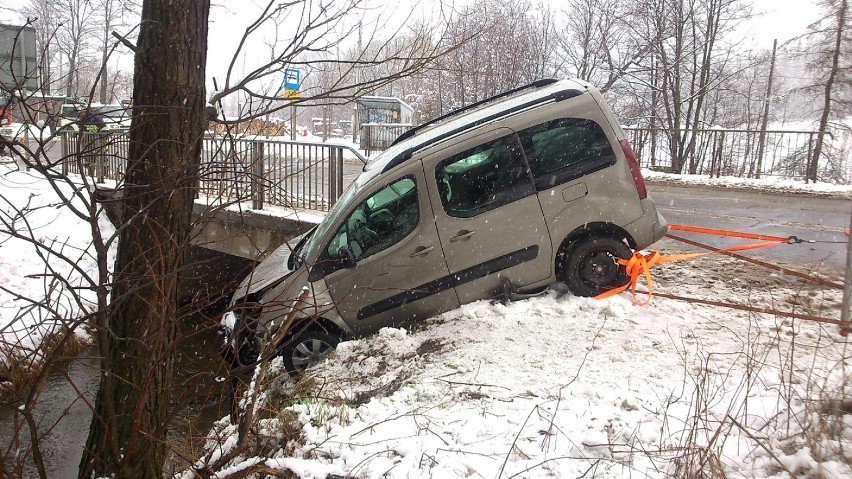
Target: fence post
[(257, 177), (339, 175), (332, 176), (335, 175), (63, 141), (100, 146), (847, 287)]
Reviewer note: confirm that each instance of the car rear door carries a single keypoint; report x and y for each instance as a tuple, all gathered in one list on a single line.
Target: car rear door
[(488, 216)]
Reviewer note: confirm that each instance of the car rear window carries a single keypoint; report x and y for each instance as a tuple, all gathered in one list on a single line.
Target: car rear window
[(562, 150)]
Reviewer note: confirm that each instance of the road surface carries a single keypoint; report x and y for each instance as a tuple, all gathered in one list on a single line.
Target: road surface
[(806, 217)]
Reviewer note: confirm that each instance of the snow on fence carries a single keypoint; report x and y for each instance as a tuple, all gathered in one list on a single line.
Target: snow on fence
[(293, 174), (733, 152)]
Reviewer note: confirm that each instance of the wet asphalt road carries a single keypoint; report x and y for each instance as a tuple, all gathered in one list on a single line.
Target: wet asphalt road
[(811, 218)]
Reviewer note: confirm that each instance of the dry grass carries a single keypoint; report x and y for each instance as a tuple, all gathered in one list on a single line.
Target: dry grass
[(26, 365)]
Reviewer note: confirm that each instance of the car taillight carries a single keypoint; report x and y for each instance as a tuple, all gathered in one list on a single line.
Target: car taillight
[(634, 168)]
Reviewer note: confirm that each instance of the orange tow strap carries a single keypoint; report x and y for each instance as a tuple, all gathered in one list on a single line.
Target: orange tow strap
[(640, 264), (735, 234)]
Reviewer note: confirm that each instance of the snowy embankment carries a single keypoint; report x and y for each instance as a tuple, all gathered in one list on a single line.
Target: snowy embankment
[(771, 184), (560, 386), (40, 291)]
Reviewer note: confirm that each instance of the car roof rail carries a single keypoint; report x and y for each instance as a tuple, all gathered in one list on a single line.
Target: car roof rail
[(413, 131), (406, 155)]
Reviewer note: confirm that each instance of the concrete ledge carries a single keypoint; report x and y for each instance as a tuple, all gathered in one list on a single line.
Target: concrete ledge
[(249, 234)]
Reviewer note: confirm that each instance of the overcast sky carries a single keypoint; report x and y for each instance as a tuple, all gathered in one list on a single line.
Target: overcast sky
[(781, 19)]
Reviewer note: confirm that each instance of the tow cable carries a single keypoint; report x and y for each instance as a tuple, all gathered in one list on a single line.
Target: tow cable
[(639, 265)]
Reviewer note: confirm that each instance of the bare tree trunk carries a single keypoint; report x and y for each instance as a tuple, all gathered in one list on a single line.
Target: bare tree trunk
[(761, 145), (827, 92), (126, 438), (72, 74), (714, 12)]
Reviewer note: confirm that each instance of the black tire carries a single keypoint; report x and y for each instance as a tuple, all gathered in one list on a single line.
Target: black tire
[(307, 349), (248, 351), (245, 351), (590, 266)]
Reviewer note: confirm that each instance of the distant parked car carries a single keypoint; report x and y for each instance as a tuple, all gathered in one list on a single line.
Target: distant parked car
[(499, 199), (10, 135), (113, 117)]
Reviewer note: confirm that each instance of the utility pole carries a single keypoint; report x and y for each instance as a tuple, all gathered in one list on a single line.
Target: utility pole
[(761, 145), (293, 123)]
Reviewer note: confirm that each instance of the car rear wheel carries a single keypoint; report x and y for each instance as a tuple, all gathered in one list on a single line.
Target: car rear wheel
[(590, 266), (307, 349)]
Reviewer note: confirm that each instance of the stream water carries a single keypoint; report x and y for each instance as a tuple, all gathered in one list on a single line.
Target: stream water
[(200, 395)]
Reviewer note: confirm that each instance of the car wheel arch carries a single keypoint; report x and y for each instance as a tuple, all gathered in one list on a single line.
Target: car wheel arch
[(586, 232)]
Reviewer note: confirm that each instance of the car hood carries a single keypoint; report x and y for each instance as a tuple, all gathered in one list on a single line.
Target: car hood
[(270, 271)]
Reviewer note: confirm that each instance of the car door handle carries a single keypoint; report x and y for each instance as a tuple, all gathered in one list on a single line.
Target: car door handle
[(421, 251), (462, 236)]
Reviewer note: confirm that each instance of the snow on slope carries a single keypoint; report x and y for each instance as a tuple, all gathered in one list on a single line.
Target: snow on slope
[(773, 184), (30, 207), (560, 386)]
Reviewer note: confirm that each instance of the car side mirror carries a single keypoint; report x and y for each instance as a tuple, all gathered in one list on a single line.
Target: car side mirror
[(347, 257)]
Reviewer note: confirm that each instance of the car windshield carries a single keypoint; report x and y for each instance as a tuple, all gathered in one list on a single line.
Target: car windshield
[(314, 243)]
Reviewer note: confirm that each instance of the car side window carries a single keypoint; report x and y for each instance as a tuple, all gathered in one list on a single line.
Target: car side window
[(565, 149), (378, 222), (483, 178)]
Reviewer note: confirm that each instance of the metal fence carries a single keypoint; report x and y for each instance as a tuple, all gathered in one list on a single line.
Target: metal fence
[(101, 156), (728, 152), (310, 175), (379, 136), (264, 171)]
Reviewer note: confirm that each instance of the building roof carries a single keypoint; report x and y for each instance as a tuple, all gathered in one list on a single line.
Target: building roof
[(384, 103)]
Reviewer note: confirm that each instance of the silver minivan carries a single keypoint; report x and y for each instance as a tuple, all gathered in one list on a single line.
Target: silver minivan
[(496, 200)]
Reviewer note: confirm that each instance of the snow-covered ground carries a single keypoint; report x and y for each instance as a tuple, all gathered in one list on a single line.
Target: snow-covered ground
[(774, 184), (560, 386), (32, 210), (21, 131)]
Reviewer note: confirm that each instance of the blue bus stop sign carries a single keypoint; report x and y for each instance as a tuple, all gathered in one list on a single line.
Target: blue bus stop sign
[(292, 80)]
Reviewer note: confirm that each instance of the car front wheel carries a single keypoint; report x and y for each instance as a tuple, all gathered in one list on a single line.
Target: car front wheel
[(307, 349), (590, 267)]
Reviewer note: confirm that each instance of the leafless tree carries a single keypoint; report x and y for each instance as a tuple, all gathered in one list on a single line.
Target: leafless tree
[(75, 29), (109, 15), (44, 17), (829, 44), (597, 42), (689, 60), (503, 44)]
